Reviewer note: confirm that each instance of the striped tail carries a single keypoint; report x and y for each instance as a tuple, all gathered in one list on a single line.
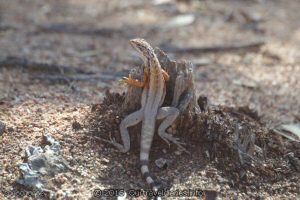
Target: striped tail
[(146, 142), (147, 175), (149, 178)]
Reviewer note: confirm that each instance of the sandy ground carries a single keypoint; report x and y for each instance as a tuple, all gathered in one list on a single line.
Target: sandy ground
[(267, 80)]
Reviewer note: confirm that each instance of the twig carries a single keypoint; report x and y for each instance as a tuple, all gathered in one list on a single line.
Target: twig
[(14, 62), (7, 28), (77, 77), (74, 29), (213, 49)]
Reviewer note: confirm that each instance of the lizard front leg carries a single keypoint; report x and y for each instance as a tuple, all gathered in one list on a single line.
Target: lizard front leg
[(140, 84), (134, 82), (170, 114), (165, 75), (129, 120)]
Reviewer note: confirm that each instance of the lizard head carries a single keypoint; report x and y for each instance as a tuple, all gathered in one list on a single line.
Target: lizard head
[(144, 49)]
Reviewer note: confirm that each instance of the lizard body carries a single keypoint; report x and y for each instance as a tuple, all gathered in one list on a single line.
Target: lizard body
[(154, 91), (152, 98)]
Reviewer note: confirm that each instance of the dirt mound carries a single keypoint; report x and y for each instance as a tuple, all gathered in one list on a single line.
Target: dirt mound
[(233, 142)]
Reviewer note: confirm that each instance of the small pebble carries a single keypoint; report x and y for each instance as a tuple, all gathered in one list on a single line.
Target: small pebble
[(162, 163), (105, 160), (178, 153), (76, 181)]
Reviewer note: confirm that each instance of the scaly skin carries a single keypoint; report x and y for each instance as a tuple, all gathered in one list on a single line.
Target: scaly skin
[(154, 91)]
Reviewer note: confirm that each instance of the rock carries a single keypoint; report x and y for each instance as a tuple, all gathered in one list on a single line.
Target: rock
[(162, 163), (178, 153), (76, 126), (221, 179), (2, 127), (179, 21), (294, 161), (76, 181), (201, 62), (41, 162)]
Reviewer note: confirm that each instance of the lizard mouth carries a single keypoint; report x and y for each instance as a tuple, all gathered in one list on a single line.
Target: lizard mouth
[(133, 43), (138, 44)]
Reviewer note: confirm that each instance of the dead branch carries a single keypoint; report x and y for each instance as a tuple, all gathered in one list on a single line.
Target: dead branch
[(79, 30), (6, 28), (32, 66), (76, 77), (252, 46)]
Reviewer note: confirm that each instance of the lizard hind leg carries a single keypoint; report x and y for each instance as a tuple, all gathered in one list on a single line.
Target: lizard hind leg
[(169, 114), (129, 120)]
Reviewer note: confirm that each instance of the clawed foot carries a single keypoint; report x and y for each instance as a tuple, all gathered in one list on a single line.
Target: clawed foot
[(114, 143), (168, 137), (130, 81), (125, 80)]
